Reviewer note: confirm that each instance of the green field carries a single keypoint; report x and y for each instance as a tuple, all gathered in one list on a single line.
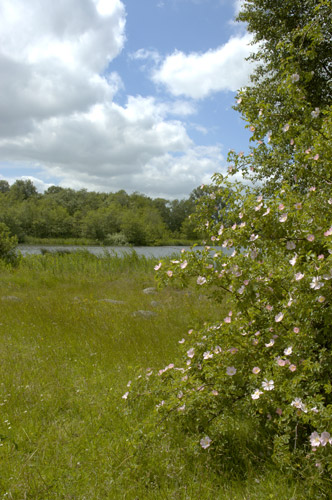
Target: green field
[(67, 355)]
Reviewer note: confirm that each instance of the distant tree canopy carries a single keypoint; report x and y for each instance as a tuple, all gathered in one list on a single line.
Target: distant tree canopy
[(104, 217)]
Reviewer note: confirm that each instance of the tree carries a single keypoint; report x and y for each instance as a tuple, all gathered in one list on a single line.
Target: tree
[(287, 106), (22, 190), (4, 186)]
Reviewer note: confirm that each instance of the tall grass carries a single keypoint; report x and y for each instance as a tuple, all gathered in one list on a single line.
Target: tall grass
[(67, 356)]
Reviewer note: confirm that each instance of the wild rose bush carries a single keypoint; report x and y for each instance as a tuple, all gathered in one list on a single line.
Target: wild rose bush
[(268, 360), (257, 384)]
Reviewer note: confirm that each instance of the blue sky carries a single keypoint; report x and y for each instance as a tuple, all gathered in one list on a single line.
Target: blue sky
[(110, 94)]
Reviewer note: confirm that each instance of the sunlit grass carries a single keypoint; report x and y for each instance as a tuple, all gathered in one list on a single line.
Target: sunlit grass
[(67, 355)]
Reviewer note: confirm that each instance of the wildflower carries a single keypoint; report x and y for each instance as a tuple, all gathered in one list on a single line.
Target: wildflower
[(183, 264), (125, 396), (270, 344), (279, 411), (285, 128), (253, 237), (258, 207), (267, 211), (256, 394), (292, 368), (315, 439), (288, 351), (207, 355), (157, 267), (296, 329), (256, 370), (182, 408), (290, 245), (205, 442), (297, 403), (315, 113), (325, 438), (169, 273), (230, 370), (281, 206), (217, 349), (191, 353), (228, 319), (283, 218), (293, 260), (321, 299), (214, 393), (269, 308), (182, 341), (316, 157), (316, 283), (241, 290), (279, 317), (201, 280), (298, 276), (310, 237), (298, 206), (233, 350), (160, 404), (328, 232), (129, 383), (295, 78), (268, 385), (281, 362)]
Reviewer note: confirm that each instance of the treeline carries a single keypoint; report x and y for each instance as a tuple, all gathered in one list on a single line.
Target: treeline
[(108, 218)]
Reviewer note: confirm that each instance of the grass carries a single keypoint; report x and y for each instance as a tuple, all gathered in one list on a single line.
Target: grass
[(66, 358)]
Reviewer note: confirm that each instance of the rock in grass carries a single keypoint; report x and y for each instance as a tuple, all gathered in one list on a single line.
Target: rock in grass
[(144, 314), (150, 290), (112, 301), (154, 303), (11, 297)]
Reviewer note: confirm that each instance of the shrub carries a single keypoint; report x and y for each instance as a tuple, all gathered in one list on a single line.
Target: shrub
[(8, 244)]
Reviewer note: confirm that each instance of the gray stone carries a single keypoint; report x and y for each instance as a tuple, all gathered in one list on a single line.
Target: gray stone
[(144, 314), (112, 301), (11, 297), (155, 303), (150, 290)]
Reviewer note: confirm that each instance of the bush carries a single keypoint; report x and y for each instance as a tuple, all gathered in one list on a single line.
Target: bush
[(8, 244)]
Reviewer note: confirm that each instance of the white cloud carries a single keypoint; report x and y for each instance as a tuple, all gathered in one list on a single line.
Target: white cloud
[(198, 75), (51, 58), (136, 146), (59, 119)]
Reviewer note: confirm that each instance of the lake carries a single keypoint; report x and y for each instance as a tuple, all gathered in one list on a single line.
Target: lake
[(157, 252)]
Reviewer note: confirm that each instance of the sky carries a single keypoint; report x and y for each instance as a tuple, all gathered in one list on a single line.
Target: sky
[(106, 95)]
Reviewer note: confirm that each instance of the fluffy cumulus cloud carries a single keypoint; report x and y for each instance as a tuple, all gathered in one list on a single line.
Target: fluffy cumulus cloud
[(59, 110), (198, 75)]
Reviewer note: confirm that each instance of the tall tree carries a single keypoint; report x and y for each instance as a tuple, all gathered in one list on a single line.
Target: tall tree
[(287, 107)]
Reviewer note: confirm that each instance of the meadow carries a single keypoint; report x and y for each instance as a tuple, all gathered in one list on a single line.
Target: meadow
[(71, 340)]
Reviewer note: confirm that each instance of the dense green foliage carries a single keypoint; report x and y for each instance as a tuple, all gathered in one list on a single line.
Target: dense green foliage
[(288, 105), (258, 381), (112, 219), (7, 246)]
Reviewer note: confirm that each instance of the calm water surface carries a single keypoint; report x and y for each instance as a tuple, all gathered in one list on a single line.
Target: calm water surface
[(157, 252)]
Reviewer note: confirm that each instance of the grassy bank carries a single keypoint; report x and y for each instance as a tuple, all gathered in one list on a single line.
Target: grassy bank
[(70, 342)]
